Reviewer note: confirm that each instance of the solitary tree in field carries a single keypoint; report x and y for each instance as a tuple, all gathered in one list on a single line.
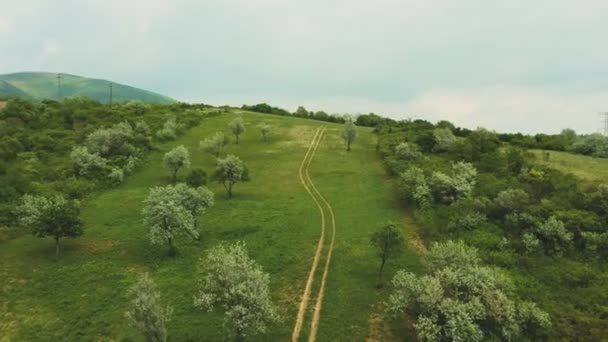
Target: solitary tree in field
[(50, 216), (147, 313), (229, 171), (349, 134), (177, 159), (265, 129), (236, 284), (214, 145), (167, 217), (238, 127), (388, 240)]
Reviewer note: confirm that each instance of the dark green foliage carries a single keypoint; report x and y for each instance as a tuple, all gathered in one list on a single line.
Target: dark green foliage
[(196, 178), (517, 201), (301, 112), (388, 240), (36, 139)]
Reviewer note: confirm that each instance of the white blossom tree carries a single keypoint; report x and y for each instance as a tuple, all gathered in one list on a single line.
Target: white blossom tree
[(177, 159), (170, 129), (167, 217), (408, 151), (147, 313), (238, 127), (458, 185), (112, 141), (214, 145), (265, 129), (236, 284), (349, 133), (50, 216), (458, 299), (444, 139), (85, 162), (229, 171)]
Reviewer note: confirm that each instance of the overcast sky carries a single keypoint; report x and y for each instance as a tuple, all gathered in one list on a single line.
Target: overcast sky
[(507, 65)]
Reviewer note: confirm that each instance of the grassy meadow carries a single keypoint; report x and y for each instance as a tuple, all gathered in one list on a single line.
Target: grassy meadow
[(584, 167), (82, 296)]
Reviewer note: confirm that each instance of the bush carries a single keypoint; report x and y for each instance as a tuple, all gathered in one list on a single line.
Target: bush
[(116, 176), (408, 151), (196, 178)]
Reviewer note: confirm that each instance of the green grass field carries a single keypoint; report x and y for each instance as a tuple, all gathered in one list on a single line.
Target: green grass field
[(82, 296), (584, 167)]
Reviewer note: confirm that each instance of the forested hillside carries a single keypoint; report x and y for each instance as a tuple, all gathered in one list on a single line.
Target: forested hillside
[(44, 85), (545, 229)]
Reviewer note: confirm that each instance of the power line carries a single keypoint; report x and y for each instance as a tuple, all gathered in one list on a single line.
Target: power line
[(59, 94), (605, 122), (111, 94)]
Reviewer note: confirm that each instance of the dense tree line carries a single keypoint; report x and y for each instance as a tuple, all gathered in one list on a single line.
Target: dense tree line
[(300, 112), (79, 145), (545, 229)]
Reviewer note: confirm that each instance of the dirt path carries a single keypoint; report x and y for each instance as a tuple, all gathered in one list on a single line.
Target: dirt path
[(314, 325), (306, 296)]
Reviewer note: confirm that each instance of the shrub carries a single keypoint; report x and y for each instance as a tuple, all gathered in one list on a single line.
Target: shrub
[(196, 178), (408, 151)]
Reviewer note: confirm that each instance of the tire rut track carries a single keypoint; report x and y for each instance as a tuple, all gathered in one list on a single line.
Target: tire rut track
[(307, 289), (314, 325), (317, 197)]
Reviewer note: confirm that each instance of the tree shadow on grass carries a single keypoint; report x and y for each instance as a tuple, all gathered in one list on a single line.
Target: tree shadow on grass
[(238, 233)]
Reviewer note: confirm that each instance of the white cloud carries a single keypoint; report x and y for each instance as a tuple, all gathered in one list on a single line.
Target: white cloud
[(51, 49)]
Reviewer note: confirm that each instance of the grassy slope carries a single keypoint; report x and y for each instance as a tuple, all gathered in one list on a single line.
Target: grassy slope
[(584, 167), (42, 85), (81, 296)]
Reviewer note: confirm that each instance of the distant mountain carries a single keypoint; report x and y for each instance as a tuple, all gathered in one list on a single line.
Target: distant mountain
[(43, 85)]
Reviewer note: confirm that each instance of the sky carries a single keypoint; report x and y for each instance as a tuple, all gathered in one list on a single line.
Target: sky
[(529, 66)]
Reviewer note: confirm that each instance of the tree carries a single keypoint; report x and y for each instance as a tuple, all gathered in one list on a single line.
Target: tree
[(196, 178), (112, 141), (146, 313), (349, 133), (553, 234), (238, 127), (195, 200), (511, 201), (176, 159), (388, 240), (413, 187), (232, 281), (50, 216), (265, 129), (301, 112), (86, 163), (229, 171), (214, 145), (459, 299), (170, 129), (444, 139), (458, 185), (408, 151), (167, 217)]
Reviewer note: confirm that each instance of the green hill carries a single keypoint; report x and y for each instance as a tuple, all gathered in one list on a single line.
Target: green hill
[(43, 85)]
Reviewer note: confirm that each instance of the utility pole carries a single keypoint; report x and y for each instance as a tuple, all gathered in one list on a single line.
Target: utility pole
[(59, 87), (111, 95), (605, 122)]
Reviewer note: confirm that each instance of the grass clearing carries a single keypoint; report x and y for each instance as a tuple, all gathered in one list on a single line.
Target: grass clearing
[(82, 296), (584, 167)]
